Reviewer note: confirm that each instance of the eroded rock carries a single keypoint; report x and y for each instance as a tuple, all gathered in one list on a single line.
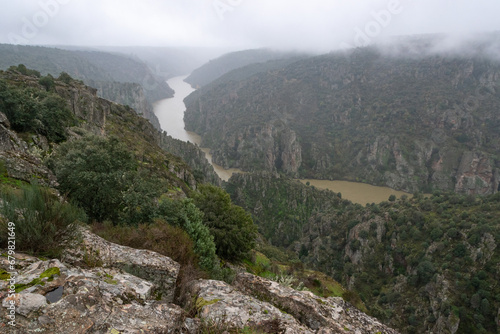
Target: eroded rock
[(151, 266), (328, 315), (221, 303)]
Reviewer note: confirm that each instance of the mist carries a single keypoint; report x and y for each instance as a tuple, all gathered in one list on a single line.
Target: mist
[(313, 26)]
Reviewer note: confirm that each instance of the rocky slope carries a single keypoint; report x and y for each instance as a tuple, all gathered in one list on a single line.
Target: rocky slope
[(22, 157), (401, 120), (128, 94), (100, 287), (425, 265)]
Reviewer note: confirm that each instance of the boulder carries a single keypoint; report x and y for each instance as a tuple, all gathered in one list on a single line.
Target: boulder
[(96, 300), (325, 315), (25, 303), (92, 250), (220, 303)]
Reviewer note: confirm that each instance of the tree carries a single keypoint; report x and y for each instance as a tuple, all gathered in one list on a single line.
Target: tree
[(233, 229), (187, 216), (93, 171), (47, 82), (65, 77)]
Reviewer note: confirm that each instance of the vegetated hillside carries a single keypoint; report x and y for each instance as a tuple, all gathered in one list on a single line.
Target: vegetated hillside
[(68, 156), (401, 120), (127, 69), (228, 62), (126, 80), (41, 108), (421, 265)]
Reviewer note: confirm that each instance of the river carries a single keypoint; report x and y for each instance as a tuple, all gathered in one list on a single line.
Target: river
[(170, 113)]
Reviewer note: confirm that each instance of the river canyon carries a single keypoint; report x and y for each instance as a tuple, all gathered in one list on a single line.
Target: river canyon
[(170, 113)]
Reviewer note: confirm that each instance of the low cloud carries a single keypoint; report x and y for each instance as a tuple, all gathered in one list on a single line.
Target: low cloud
[(315, 25)]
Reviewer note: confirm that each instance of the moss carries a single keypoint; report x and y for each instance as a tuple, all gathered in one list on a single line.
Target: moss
[(4, 275), (21, 287), (320, 301), (111, 281), (50, 273), (201, 302)]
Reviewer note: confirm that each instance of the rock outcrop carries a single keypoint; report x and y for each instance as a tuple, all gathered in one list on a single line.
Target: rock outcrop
[(18, 160), (324, 315), (97, 300), (222, 303), (93, 290), (92, 249), (128, 94)]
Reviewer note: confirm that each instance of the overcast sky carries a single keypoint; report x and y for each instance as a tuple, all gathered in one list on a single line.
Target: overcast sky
[(319, 25)]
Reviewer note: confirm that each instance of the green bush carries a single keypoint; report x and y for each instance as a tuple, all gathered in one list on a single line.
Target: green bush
[(34, 110), (233, 229), (100, 175), (187, 216), (40, 219), (47, 82)]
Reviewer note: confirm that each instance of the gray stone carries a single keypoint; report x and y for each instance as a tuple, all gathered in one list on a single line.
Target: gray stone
[(151, 266), (333, 313), (221, 303), (25, 303)]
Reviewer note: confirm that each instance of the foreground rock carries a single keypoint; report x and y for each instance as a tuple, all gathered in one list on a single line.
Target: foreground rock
[(325, 315), (101, 287), (95, 251), (222, 303), (98, 300)]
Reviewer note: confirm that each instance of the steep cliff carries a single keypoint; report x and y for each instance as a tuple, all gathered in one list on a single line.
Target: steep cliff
[(406, 121), (128, 94), (203, 171)]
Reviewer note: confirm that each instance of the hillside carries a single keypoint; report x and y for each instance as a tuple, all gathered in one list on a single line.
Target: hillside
[(226, 63), (421, 265), (74, 165), (376, 116), (117, 77)]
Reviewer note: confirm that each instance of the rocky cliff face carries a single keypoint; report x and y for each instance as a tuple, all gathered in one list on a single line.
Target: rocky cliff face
[(22, 157), (101, 287), (203, 171), (128, 94), (411, 123)]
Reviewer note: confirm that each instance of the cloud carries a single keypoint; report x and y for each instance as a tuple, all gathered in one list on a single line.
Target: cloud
[(319, 25)]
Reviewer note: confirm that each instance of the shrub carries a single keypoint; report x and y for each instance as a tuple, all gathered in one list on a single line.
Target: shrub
[(47, 82), (41, 220), (185, 214), (97, 173), (35, 110), (159, 237), (233, 229)]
